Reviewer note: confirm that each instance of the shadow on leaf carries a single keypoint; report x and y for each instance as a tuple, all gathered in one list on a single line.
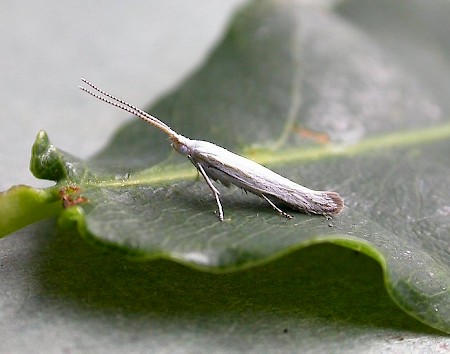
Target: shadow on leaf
[(324, 284)]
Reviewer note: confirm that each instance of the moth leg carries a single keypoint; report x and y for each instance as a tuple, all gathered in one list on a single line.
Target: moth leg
[(281, 212), (213, 189)]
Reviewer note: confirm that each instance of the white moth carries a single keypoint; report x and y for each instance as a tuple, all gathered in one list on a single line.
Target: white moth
[(215, 163)]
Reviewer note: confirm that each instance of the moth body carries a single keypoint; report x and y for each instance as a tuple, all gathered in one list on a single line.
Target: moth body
[(215, 163), (231, 169)]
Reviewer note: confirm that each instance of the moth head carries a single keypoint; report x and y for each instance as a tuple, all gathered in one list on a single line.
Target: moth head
[(179, 145)]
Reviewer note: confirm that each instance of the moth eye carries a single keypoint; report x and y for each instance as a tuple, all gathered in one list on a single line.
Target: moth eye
[(182, 149)]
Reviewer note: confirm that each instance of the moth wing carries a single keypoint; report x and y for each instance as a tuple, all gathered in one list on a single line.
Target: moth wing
[(229, 168)]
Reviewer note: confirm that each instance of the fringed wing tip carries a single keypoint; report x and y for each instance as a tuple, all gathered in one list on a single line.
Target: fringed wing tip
[(337, 201)]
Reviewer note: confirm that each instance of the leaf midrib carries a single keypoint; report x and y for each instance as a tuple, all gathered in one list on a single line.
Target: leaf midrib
[(163, 174)]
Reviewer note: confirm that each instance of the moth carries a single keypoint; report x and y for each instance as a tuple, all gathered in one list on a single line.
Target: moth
[(215, 163)]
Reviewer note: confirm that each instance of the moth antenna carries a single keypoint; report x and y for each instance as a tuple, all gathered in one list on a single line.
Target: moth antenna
[(119, 103), (114, 98)]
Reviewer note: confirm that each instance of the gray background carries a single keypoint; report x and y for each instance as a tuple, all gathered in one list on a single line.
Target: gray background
[(136, 49)]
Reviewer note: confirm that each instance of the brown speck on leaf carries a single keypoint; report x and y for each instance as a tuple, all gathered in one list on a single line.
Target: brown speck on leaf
[(70, 196), (318, 137)]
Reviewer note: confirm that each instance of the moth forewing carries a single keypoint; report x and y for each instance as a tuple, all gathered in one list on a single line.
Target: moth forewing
[(230, 168), (216, 163)]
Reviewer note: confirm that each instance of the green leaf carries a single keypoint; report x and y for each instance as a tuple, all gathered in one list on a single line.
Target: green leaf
[(23, 205), (283, 71)]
